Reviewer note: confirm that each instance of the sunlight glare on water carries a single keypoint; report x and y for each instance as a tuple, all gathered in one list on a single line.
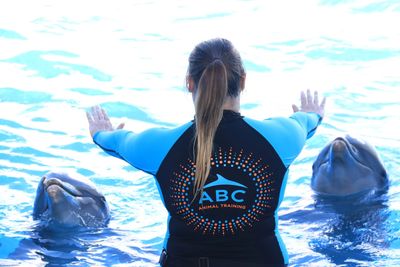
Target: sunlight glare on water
[(59, 58)]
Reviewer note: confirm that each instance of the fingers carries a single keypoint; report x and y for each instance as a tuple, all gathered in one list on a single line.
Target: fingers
[(310, 103), (94, 113), (316, 101), (303, 99), (104, 114), (323, 102), (99, 121), (309, 97), (97, 113), (89, 117)]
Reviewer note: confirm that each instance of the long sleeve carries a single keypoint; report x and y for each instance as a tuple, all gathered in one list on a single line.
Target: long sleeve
[(288, 135), (144, 151)]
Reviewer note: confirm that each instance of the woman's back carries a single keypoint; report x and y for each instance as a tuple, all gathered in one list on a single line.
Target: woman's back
[(234, 217)]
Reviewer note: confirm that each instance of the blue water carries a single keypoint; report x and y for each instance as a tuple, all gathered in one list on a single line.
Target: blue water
[(59, 58)]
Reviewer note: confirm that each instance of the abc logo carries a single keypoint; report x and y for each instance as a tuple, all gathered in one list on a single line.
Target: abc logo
[(223, 195)]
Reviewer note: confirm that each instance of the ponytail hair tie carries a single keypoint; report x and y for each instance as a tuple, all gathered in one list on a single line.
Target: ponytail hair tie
[(216, 58)]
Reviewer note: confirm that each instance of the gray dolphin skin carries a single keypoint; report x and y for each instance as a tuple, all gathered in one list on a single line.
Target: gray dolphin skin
[(69, 201), (348, 166)]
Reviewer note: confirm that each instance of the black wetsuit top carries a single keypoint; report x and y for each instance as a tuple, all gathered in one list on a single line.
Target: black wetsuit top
[(235, 219)]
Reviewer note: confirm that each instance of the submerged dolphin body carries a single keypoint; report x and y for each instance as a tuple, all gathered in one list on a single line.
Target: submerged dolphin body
[(71, 202), (348, 166)]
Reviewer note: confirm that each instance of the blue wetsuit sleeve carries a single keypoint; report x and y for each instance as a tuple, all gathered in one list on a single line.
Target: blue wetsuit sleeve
[(144, 151), (288, 135), (308, 121), (110, 141)]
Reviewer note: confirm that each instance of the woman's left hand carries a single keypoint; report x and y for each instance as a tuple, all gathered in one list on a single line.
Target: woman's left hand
[(310, 103), (99, 121)]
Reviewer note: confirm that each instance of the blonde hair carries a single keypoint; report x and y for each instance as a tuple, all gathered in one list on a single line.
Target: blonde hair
[(210, 95), (216, 70)]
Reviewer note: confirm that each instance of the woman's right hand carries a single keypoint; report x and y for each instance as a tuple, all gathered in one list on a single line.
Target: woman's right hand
[(310, 103), (99, 121)]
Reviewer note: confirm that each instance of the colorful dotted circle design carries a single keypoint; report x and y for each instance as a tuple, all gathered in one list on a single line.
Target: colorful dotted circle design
[(254, 169)]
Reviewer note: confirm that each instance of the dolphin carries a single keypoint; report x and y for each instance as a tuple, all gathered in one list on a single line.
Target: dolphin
[(221, 180), (71, 202), (348, 166)]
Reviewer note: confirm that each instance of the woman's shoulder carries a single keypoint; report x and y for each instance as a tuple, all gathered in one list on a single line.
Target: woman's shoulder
[(162, 131), (157, 135), (278, 123)]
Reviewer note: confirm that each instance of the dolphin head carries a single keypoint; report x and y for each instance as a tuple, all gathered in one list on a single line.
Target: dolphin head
[(70, 201), (348, 166)]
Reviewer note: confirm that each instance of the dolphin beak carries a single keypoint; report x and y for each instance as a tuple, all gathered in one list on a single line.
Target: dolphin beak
[(60, 194), (339, 145), (60, 197), (339, 150), (51, 183)]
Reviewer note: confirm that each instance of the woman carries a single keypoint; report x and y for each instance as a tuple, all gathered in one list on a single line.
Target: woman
[(222, 176)]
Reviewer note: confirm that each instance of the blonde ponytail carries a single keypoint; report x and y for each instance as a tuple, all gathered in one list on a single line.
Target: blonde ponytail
[(210, 95)]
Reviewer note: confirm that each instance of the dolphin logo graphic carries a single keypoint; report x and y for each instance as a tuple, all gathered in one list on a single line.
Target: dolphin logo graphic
[(222, 195), (223, 181)]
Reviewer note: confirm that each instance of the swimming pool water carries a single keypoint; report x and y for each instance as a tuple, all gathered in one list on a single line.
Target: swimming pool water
[(59, 58)]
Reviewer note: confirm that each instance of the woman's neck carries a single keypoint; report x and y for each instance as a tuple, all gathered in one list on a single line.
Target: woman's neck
[(232, 103)]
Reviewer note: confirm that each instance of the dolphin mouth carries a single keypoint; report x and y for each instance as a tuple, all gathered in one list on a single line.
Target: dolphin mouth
[(340, 148), (52, 182), (346, 147)]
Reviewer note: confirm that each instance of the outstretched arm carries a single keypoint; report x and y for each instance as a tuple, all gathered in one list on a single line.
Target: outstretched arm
[(144, 151), (288, 135)]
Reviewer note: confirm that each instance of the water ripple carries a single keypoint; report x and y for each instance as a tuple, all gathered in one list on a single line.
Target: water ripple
[(34, 61)]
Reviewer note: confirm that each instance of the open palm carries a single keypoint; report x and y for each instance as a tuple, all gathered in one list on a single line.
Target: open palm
[(99, 121)]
